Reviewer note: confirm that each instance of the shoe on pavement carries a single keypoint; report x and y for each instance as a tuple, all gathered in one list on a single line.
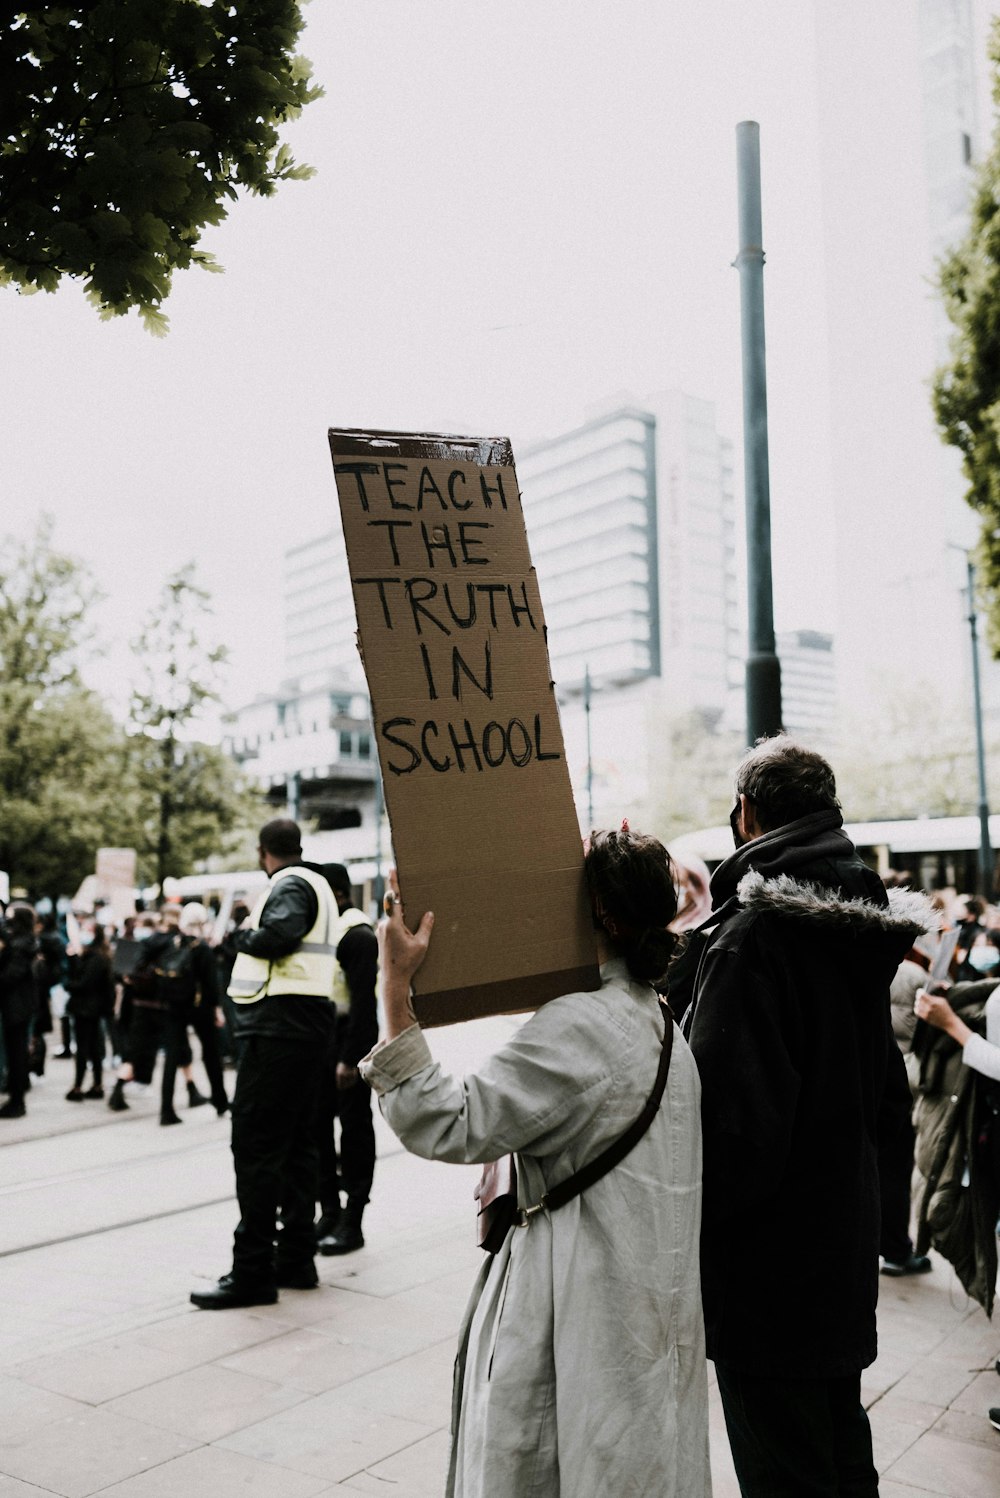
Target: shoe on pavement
[(915, 1264), (328, 1223), (228, 1294), (168, 1116), (12, 1110), (94, 1092), (346, 1237), (195, 1098), (75, 1095), (304, 1278), (63, 1055), (116, 1102), (995, 1419)]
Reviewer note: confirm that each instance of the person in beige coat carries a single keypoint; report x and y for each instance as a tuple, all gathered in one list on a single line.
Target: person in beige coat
[(581, 1365)]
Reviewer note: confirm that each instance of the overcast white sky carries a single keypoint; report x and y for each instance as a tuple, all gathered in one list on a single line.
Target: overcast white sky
[(520, 209)]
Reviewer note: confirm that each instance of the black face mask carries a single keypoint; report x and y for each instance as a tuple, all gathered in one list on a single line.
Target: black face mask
[(739, 840)]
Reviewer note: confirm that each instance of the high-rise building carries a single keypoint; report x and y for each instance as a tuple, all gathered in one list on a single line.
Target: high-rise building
[(630, 519), (808, 684), (320, 629)]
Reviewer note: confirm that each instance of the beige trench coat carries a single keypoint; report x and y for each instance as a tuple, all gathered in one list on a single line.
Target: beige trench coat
[(581, 1367)]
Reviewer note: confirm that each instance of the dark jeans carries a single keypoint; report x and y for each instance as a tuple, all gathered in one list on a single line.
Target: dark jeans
[(145, 1036), (15, 1040), (798, 1438), (895, 1171), (177, 1052), (275, 1154), (89, 1047), (354, 1172)]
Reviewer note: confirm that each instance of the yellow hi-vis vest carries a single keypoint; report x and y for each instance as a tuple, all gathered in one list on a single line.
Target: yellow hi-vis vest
[(310, 968), (341, 992)]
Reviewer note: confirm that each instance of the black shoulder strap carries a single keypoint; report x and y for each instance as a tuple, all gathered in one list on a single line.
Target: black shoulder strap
[(616, 1152)]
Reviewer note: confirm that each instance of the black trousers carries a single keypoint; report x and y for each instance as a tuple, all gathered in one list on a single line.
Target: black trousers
[(275, 1154), (89, 1047), (798, 1438), (177, 1052), (15, 1043), (145, 1036), (895, 1172), (353, 1169)]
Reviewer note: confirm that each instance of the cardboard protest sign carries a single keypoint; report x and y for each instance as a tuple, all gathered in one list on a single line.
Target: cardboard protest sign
[(115, 869), (452, 637)]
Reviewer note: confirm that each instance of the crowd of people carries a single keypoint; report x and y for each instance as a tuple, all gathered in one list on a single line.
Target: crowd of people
[(127, 997), (743, 1211), (709, 1155)]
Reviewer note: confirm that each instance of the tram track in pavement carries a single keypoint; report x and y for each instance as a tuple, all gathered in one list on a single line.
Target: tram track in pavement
[(117, 1180)]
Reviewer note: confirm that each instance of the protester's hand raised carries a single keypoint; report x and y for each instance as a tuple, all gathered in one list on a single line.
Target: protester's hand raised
[(401, 950)]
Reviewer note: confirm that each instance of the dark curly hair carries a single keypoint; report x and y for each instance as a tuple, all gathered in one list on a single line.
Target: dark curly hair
[(634, 898)]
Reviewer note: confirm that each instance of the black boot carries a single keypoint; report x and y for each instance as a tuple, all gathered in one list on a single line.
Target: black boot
[(229, 1293), (346, 1237), (67, 1049), (195, 1098), (168, 1116), (116, 1102), (329, 1220)]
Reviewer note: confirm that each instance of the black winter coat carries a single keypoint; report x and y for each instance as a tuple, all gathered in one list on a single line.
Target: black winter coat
[(801, 1076), (91, 986), (957, 1150), (21, 979)]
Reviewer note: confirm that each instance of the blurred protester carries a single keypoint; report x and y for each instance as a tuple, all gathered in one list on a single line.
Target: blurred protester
[(225, 956), (187, 983), (581, 1366), (21, 981), (895, 1154), (53, 950), (282, 984), (146, 992), (91, 988), (344, 1094), (694, 900), (969, 916), (801, 1078), (41, 1024), (960, 1137)]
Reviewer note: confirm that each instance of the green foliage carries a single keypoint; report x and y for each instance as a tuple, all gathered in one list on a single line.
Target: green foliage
[(62, 773), (72, 779), (926, 764), (190, 793), (127, 126), (967, 388)]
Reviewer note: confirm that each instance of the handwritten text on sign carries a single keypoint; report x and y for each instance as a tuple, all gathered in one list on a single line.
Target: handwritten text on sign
[(441, 570)]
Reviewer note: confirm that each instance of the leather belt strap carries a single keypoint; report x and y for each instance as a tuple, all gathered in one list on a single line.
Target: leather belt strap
[(615, 1153)]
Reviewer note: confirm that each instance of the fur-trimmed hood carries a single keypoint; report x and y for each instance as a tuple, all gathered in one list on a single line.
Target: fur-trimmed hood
[(908, 914)]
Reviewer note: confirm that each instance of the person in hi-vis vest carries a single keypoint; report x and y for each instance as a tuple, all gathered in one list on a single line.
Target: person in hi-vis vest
[(344, 1093), (282, 986)]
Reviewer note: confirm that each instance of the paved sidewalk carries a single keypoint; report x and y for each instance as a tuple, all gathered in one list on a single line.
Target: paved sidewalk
[(111, 1383)]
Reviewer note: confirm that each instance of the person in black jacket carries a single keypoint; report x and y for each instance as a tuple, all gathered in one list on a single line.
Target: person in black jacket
[(282, 983), (91, 986), (20, 988), (187, 982), (345, 1095), (801, 1078)]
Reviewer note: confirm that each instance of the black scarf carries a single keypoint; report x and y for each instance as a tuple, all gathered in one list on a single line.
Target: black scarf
[(819, 835)]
